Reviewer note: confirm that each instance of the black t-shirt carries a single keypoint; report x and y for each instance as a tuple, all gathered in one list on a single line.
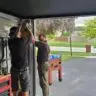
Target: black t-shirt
[(43, 51), (18, 49)]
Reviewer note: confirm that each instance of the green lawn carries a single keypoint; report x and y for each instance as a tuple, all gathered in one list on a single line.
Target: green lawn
[(67, 56), (67, 44)]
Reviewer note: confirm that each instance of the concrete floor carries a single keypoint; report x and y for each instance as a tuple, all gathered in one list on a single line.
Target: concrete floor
[(79, 79)]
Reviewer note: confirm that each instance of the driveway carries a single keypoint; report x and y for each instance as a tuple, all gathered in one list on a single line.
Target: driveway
[(79, 79)]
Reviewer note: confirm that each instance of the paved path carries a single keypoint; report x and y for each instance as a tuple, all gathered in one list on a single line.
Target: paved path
[(74, 49), (79, 79)]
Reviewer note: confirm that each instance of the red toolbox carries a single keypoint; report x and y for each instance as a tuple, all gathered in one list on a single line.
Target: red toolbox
[(5, 84), (55, 64)]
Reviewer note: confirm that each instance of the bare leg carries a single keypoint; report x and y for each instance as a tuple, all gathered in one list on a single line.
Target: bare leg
[(25, 93), (14, 93)]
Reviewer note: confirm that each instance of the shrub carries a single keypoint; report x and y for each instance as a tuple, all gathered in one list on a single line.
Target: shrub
[(66, 34), (51, 36)]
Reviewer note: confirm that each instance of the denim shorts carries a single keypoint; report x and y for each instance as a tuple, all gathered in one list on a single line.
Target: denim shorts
[(20, 80)]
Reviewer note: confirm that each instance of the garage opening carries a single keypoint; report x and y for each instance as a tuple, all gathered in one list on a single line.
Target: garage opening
[(73, 39)]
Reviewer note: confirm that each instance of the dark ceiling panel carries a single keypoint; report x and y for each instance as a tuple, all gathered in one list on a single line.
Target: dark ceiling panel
[(48, 8)]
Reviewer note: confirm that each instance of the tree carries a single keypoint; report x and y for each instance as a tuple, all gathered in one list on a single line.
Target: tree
[(44, 26), (90, 29), (67, 25), (51, 25)]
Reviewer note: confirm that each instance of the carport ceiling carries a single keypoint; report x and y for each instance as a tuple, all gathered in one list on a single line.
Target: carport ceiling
[(48, 8)]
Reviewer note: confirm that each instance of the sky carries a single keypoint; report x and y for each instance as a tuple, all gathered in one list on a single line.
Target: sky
[(80, 20)]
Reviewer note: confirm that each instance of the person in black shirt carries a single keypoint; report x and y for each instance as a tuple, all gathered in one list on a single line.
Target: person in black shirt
[(18, 46), (42, 60)]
